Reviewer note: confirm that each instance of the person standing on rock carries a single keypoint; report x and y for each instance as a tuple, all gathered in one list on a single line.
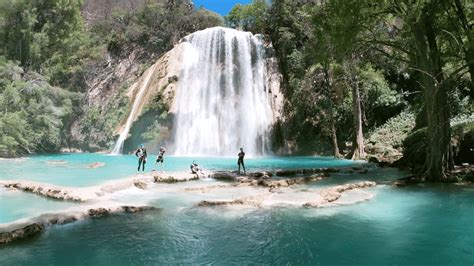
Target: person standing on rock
[(141, 154), (240, 161), (160, 157)]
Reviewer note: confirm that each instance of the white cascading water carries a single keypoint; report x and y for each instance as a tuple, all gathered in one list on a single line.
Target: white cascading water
[(137, 103), (222, 101)]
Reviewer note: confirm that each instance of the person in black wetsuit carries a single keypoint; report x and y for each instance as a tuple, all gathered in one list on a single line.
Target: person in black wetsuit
[(160, 157), (141, 154), (195, 168), (240, 161)]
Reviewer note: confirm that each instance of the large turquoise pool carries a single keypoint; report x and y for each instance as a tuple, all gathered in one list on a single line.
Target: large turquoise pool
[(75, 169), (425, 225)]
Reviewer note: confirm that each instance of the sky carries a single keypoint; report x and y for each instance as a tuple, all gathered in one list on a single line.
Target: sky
[(221, 7)]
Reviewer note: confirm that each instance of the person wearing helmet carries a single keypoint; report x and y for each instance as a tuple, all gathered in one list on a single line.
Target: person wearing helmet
[(141, 154)]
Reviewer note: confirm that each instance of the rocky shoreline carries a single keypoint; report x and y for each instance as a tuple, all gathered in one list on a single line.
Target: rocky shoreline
[(265, 184), (36, 227)]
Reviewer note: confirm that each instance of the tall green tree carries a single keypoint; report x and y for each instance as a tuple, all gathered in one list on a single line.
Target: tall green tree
[(431, 37), (48, 37), (251, 17), (341, 27)]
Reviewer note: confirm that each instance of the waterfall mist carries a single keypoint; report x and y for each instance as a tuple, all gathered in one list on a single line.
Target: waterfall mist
[(222, 102)]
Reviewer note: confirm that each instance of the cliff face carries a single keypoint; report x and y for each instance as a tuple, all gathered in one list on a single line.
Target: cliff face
[(105, 101)]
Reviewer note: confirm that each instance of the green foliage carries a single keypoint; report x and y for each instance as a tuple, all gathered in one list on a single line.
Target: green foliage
[(99, 123), (45, 36), (394, 131), (380, 102), (155, 27), (251, 17), (33, 113)]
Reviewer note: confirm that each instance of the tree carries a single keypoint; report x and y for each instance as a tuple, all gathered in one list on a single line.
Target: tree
[(426, 40), (46, 36), (341, 29), (251, 17)]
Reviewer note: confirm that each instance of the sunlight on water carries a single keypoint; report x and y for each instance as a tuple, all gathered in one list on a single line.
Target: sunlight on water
[(75, 169)]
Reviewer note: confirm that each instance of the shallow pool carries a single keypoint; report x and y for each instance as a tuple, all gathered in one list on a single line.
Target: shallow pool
[(76, 169)]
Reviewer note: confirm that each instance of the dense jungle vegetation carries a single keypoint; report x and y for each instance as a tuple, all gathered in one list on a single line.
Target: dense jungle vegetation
[(374, 76), (361, 78)]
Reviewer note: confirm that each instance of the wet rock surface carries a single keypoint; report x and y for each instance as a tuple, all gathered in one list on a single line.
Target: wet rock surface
[(252, 201), (274, 183), (40, 189), (59, 219), (158, 178), (21, 233), (140, 184), (334, 193)]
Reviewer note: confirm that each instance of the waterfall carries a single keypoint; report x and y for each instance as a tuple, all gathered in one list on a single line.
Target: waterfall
[(222, 102), (138, 103)]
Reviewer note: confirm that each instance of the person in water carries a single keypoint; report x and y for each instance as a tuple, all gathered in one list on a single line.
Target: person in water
[(141, 154), (241, 159), (160, 157)]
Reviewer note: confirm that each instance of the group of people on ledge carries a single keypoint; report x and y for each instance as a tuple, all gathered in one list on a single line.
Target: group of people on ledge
[(142, 155)]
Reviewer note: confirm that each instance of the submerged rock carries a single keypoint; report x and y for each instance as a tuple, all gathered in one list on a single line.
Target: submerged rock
[(56, 162), (96, 165), (334, 193)]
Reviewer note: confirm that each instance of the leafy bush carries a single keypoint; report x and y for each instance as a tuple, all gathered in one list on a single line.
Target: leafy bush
[(394, 131), (33, 113)]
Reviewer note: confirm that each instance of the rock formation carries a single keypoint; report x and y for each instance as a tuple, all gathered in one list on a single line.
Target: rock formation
[(37, 227)]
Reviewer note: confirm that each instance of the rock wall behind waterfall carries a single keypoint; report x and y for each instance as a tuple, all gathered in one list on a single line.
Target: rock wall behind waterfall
[(157, 106)]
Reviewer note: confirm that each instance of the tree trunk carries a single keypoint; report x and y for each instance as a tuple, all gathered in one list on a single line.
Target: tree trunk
[(428, 62), (327, 81), (337, 154), (469, 47), (358, 152)]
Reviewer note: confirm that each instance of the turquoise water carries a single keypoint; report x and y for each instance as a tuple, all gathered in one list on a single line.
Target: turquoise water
[(400, 227), (16, 205), (424, 225), (73, 169)]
